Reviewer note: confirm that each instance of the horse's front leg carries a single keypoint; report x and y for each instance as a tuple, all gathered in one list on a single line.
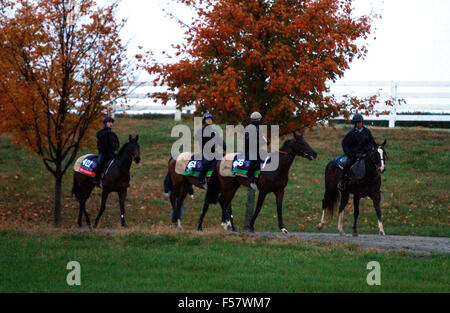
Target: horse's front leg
[(102, 207), (376, 198), (122, 196), (279, 198), (355, 214), (344, 201), (202, 216)]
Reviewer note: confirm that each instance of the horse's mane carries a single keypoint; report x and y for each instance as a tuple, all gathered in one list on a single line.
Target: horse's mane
[(122, 149), (286, 144)]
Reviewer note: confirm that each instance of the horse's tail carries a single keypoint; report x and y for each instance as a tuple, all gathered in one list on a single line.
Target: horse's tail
[(76, 190), (331, 196)]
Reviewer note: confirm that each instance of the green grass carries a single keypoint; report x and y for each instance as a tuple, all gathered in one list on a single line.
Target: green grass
[(144, 262), (415, 198)]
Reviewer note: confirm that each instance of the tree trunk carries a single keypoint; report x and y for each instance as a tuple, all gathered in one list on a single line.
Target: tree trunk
[(58, 192), (249, 207)]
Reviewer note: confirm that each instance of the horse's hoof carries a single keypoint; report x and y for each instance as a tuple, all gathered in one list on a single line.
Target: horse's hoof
[(234, 230), (382, 233), (342, 233), (199, 228), (224, 226), (284, 231), (320, 226), (355, 234)]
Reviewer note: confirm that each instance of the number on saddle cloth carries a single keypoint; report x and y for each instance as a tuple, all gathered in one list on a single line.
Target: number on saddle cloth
[(241, 166), (194, 167)]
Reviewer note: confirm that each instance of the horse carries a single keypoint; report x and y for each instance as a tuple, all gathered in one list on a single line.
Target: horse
[(117, 180), (268, 181), (370, 185), (181, 185)]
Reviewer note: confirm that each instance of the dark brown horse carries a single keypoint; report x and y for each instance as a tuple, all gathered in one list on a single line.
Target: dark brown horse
[(117, 180), (370, 185), (180, 189), (268, 181)]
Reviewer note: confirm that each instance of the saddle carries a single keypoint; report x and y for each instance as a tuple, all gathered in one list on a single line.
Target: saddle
[(186, 165), (87, 165), (235, 164), (358, 169)]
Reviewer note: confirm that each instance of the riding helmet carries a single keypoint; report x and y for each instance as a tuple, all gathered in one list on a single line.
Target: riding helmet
[(206, 116), (108, 119), (357, 118), (255, 117)]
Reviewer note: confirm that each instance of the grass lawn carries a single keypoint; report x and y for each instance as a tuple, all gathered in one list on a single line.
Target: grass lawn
[(136, 261)]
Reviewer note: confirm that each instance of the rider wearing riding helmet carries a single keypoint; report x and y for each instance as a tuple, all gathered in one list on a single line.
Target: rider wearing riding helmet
[(204, 139), (255, 119), (358, 140), (107, 144)]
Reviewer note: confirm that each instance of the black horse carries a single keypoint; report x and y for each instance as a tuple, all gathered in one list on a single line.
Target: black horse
[(180, 188), (370, 185), (268, 181), (117, 180)]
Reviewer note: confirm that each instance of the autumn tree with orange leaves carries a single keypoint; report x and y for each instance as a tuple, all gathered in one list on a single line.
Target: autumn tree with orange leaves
[(271, 56), (61, 63)]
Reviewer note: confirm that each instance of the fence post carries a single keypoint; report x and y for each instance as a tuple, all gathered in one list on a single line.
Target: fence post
[(393, 113), (178, 115)]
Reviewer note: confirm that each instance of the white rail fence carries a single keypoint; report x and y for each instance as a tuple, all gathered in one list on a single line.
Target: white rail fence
[(416, 100)]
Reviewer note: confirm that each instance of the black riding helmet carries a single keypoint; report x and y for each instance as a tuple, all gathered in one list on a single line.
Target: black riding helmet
[(357, 118)]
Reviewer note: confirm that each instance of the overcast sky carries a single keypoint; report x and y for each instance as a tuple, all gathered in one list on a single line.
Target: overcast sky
[(412, 39)]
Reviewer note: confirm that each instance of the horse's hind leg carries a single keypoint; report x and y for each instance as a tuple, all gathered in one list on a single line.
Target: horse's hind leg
[(355, 214), (261, 197), (344, 201), (376, 198)]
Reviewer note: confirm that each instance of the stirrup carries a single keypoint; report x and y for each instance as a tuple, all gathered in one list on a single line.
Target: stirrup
[(252, 182)]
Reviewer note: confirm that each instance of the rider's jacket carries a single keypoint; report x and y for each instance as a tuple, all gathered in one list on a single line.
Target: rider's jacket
[(358, 141), (107, 141)]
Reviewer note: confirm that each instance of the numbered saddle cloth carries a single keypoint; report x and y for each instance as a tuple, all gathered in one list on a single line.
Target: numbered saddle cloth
[(87, 165), (235, 164), (187, 165)]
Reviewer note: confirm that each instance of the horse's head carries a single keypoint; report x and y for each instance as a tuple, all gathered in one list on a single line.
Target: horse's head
[(378, 157), (133, 149), (302, 148)]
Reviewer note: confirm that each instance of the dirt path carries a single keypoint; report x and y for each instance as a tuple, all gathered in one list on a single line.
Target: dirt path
[(415, 244)]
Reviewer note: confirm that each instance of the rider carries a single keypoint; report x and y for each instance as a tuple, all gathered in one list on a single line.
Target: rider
[(107, 144), (255, 119), (204, 139), (357, 141)]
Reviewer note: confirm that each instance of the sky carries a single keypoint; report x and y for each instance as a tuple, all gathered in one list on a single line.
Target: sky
[(412, 38)]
